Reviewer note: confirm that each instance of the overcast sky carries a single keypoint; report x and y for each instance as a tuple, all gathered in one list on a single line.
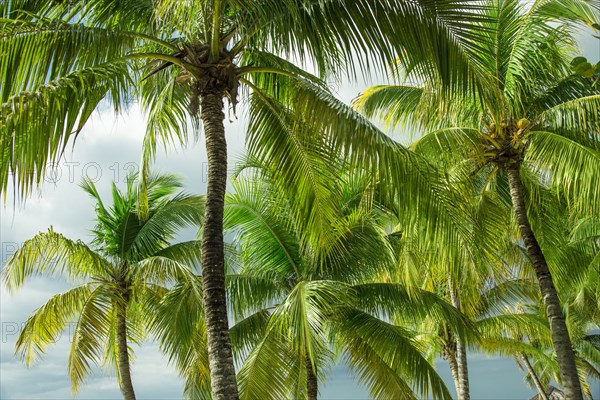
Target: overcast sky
[(109, 147)]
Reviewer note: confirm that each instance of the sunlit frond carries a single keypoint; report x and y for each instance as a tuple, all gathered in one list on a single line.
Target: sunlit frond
[(572, 167), (53, 255), (387, 360), (89, 335), (38, 124), (45, 326)]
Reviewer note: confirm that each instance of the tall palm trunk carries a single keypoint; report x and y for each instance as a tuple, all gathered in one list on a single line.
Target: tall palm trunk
[(311, 380), (123, 354), (220, 357), (534, 377), (462, 389), (451, 355), (558, 327)]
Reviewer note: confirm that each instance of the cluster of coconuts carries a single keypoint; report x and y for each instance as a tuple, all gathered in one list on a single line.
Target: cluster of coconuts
[(509, 129), (505, 139)]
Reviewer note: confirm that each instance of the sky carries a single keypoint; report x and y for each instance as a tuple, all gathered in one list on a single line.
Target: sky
[(108, 148)]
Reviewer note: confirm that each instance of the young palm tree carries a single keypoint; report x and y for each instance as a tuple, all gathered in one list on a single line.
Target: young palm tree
[(187, 56), (462, 282), (520, 112), (120, 277)]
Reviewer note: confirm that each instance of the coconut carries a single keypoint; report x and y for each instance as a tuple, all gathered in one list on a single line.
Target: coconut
[(522, 123)]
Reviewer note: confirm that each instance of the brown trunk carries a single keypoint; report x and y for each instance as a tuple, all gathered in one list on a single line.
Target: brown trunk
[(451, 355), (558, 327), (462, 389), (220, 357), (311, 381), (123, 354), (534, 377)]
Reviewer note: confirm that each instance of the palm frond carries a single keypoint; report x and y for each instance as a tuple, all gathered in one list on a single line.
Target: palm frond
[(54, 255), (186, 253), (251, 214), (387, 359), (37, 125), (153, 234), (266, 371), (570, 166), (89, 335), (44, 327), (579, 115), (278, 138), (386, 299), (162, 270), (39, 50)]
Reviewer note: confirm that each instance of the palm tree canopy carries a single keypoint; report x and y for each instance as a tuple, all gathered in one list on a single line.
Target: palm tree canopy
[(526, 101), (163, 53)]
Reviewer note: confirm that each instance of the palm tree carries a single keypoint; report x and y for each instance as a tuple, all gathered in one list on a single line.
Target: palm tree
[(497, 293), (181, 60), (301, 300), (120, 277), (519, 112), (464, 282), (297, 308), (573, 241)]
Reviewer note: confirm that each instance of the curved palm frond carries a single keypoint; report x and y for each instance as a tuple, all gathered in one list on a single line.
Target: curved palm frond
[(187, 253), (89, 335), (37, 125), (47, 323), (575, 114), (277, 137), (570, 166), (386, 299), (387, 359), (266, 371), (53, 254), (182, 210), (250, 211)]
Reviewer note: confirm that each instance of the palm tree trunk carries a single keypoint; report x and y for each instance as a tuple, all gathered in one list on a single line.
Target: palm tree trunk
[(558, 327), (220, 357), (123, 354), (311, 380), (534, 377), (451, 355), (461, 354)]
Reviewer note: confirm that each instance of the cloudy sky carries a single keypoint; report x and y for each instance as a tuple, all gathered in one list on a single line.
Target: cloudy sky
[(108, 148)]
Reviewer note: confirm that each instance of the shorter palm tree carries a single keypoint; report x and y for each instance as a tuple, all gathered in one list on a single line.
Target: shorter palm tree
[(299, 306), (119, 277)]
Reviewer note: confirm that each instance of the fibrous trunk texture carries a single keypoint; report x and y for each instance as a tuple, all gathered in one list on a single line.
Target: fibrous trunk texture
[(220, 357), (534, 377), (558, 326), (451, 355), (123, 354), (462, 389), (311, 381)]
